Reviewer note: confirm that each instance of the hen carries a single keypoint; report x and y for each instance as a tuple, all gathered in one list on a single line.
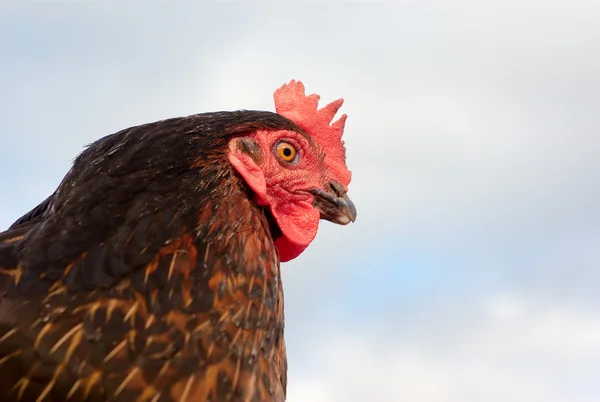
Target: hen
[(152, 272)]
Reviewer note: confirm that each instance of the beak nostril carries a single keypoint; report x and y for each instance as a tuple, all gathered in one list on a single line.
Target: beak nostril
[(337, 189)]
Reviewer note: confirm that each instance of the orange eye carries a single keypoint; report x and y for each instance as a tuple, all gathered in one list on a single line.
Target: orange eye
[(286, 151)]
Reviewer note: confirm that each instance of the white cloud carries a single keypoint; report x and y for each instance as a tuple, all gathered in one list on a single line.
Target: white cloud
[(556, 332), (515, 350)]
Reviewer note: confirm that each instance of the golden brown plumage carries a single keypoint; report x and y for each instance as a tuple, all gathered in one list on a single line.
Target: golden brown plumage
[(152, 273)]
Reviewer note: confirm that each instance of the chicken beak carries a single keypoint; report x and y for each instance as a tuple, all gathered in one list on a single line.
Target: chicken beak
[(334, 205)]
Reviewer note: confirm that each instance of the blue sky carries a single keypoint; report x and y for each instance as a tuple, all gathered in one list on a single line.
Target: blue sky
[(471, 273)]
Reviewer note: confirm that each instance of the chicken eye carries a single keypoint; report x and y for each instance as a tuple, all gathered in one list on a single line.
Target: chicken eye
[(286, 151)]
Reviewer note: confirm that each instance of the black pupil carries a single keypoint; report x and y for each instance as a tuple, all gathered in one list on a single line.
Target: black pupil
[(287, 152)]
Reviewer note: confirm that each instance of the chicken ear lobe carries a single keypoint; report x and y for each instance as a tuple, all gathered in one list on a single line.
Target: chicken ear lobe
[(252, 174)]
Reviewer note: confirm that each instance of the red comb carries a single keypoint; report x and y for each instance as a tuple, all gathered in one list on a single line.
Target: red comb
[(292, 103)]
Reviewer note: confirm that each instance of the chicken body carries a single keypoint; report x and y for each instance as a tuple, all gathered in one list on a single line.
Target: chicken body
[(147, 277)]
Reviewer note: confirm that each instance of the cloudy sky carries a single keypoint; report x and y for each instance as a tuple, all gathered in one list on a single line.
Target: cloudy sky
[(472, 272)]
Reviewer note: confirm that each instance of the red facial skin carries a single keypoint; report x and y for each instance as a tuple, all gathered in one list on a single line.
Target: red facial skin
[(283, 186)]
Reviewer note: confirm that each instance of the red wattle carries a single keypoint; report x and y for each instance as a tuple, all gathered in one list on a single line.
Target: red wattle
[(288, 250), (299, 223)]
